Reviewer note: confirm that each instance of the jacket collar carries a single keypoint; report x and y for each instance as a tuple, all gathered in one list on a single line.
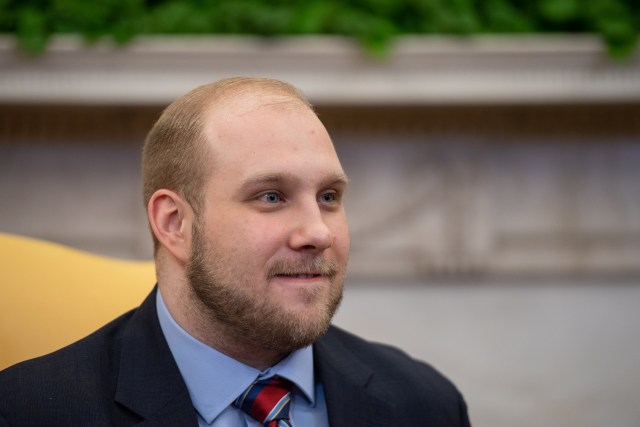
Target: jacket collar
[(346, 380), (149, 382)]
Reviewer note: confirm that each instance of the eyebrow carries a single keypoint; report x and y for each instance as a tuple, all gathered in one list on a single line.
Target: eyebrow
[(275, 178)]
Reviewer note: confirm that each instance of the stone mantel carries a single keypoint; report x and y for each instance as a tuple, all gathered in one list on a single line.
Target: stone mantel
[(331, 70)]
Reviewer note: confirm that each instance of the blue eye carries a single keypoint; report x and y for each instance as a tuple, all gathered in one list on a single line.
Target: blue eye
[(328, 197), (271, 197)]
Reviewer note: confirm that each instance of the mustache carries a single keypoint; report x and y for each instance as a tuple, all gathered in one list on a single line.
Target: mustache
[(318, 265)]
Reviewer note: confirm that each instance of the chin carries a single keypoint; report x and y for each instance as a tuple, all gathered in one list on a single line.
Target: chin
[(304, 333), (299, 327)]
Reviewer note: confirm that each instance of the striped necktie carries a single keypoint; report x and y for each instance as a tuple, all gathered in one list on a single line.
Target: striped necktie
[(267, 401)]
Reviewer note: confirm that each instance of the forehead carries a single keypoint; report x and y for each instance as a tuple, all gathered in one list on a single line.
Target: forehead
[(274, 136), (253, 123)]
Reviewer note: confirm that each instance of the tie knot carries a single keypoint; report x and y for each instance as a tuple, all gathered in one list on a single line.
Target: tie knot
[(267, 401)]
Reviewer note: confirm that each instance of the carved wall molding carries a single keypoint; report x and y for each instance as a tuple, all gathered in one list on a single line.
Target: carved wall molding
[(451, 208)]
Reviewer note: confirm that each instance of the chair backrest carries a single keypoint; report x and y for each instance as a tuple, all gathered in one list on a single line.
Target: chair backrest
[(52, 295)]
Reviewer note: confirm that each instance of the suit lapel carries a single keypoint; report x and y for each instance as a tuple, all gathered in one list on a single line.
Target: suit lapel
[(149, 382), (350, 400)]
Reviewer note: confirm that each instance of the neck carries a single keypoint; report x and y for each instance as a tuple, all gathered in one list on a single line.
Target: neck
[(257, 358), (189, 313)]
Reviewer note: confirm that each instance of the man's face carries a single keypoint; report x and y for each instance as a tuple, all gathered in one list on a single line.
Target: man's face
[(270, 248)]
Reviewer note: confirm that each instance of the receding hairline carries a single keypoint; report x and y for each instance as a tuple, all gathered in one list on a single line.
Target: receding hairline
[(254, 91), (203, 101), (245, 96), (250, 97)]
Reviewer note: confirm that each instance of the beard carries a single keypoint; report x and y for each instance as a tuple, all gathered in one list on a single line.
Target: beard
[(225, 292)]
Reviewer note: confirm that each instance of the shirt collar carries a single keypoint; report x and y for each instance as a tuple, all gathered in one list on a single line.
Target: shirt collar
[(215, 380)]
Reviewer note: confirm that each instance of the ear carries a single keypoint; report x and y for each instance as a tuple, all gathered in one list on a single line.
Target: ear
[(171, 218)]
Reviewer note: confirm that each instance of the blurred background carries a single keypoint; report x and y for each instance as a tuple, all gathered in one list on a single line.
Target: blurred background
[(493, 149)]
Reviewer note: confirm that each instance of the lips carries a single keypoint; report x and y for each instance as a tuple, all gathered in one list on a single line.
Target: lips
[(299, 276), (303, 269)]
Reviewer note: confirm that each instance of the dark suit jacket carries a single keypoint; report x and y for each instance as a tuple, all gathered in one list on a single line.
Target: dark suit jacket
[(124, 374)]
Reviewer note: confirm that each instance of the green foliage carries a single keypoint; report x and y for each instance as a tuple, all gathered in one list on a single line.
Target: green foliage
[(373, 22), (31, 30)]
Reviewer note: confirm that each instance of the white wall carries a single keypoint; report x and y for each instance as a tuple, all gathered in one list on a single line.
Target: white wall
[(523, 354)]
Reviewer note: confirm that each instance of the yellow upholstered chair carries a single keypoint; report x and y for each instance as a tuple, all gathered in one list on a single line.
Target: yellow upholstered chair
[(52, 295)]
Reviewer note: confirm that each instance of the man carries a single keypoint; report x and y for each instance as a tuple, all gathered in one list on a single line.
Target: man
[(244, 195)]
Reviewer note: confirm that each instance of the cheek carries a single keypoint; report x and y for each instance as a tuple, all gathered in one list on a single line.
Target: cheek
[(344, 247), (342, 238), (257, 238)]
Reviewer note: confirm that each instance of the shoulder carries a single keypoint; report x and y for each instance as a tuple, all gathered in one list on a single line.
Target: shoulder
[(82, 372), (413, 385), (385, 359)]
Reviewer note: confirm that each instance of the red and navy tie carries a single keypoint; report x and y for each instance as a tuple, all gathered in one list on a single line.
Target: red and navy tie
[(267, 401)]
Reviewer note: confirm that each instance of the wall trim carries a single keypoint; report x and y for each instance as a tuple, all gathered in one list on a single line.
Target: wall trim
[(425, 70)]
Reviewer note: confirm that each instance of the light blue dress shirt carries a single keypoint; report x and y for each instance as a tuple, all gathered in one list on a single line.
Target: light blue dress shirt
[(215, 380)]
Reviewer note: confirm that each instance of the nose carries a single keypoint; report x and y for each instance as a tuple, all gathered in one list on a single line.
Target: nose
[(311, 232)]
